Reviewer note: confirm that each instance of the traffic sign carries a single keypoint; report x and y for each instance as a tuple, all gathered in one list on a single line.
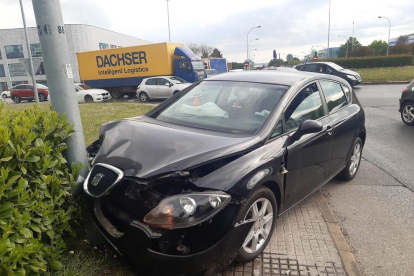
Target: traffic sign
[(246, 63), (289, 57), (26, 64), (315, 58)]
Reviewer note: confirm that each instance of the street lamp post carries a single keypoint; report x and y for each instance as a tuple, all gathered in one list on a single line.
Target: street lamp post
[(168, 15), (389, 32), (250, 52), (329, 25), (257, 27), (346, 44), (252, 41)]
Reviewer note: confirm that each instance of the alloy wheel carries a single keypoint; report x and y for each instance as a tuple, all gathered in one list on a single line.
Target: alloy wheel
[(261, 211), (143, 97), (408, 113), (42, 98), (355, 159)]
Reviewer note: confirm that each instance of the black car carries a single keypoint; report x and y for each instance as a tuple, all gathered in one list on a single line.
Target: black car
[(332, 69), (200, 180), (407, 104)]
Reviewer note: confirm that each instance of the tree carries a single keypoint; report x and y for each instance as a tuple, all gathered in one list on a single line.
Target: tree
[(363, 51), (351, 41), (401, 49), (379, 46), (195, 48), (237, 65), (206, 50), (402, 39), (275, 62), (216, 53)]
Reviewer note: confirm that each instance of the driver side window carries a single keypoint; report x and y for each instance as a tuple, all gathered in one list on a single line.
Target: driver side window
[(306, 105)]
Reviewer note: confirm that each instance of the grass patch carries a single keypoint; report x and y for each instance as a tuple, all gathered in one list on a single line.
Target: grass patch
[(386, 74)]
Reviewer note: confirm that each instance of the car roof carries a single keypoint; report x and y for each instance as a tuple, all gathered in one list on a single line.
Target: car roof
[(282, 77), (166, 77)]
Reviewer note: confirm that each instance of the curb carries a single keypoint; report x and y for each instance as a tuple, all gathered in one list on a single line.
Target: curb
[(347, 257)]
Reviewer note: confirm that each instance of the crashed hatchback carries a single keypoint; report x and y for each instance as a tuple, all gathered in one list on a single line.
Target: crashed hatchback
[(200, 180)]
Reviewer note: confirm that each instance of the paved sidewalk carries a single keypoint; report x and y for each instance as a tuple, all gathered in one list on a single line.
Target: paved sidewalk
[(300, 245)]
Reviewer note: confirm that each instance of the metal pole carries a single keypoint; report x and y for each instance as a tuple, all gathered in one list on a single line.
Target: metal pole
[(352, 41), (389, 33), (329, 26), (248, 43), (168, 14), (51, 30), (30, 55)]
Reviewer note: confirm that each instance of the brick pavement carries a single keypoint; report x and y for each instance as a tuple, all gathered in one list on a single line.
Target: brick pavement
[(301, 245)]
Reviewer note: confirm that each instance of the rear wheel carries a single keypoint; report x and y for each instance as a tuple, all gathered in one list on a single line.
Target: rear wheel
[(351, 168), (16, 99), (4, 96), (42, 97), (261, 207), (407, 113), (143, 97), (116, 93), (88, 99)]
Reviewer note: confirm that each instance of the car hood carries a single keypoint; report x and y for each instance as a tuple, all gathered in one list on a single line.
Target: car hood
[(96, 91), (144, 149), (349, 72)]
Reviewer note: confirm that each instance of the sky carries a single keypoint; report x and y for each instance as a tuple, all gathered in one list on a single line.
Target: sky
[(287, 26)]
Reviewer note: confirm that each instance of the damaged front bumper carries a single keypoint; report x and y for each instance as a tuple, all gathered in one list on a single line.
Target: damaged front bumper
[(141, 244)]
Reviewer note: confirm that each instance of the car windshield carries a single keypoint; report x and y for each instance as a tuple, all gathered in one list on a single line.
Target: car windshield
[(234, 107), (336, 66), (84, 86), (79, 87), (198, 65), (177, 80)]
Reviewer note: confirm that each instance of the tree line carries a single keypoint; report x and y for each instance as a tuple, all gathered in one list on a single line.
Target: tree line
[(205, 51)]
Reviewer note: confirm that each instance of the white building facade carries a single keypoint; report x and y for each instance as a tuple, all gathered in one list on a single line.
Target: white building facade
[(81, 38)]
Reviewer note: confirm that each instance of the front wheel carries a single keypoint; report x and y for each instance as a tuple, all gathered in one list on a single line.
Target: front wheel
[(260, 207), (16, 99), (4, 96), (88, 99), (42, 97), (351, 168), (116, 93), (407, 113)]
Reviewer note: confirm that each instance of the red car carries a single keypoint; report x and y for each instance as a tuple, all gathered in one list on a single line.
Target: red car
[(25, 92)]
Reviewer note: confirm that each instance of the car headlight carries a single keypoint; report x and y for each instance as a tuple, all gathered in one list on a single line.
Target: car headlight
[(185, 210), (351, 77)]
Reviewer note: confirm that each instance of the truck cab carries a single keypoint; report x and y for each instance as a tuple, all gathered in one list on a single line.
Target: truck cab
[(188, 66)]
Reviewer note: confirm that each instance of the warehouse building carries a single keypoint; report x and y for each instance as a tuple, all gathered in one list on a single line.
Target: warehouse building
[(81, 38)]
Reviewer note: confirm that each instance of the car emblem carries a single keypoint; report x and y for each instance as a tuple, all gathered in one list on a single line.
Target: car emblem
[(97, 178)]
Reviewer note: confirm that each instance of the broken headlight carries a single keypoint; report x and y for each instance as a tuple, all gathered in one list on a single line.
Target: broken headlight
[(185, 210)]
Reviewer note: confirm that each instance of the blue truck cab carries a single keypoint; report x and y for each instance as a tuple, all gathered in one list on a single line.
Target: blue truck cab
[(188, 67)]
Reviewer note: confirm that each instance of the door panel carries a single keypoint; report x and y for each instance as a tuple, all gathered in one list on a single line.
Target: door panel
[(308, 159), (165, 91)]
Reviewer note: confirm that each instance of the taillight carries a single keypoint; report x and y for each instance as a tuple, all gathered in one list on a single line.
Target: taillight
[(405, 89), (138, 87)]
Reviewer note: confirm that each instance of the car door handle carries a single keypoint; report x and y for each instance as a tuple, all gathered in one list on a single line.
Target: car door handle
[(329, 130)]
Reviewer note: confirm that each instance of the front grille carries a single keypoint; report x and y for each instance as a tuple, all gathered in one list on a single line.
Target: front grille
[(102, 178)]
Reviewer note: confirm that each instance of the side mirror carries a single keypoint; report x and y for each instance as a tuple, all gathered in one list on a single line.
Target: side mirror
[(167, 84), (306, 127)]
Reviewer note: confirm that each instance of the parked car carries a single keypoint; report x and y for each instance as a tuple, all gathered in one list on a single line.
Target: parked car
[(280, 68), (160, 87), (201, 179), (87, 94), (210, 73), (407, 104), (25, 92), (5, 94), (331, 68)]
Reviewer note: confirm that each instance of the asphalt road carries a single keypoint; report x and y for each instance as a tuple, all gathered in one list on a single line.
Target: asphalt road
[(376, 209)]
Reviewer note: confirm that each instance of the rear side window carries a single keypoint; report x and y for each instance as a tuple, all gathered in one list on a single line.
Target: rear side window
[(310, 67), (151, 82), (335, 97), (163, 82)]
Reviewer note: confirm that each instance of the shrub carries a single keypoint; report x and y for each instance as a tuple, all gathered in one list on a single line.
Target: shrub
[(363, 51), (376, 61), (400, 49), (35, 183)]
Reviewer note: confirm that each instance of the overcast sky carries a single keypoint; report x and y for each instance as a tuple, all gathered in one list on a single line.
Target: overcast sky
[(289, 26)]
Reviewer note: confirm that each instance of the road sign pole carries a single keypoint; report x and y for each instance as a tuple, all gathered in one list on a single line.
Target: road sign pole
[(32, 73), (51, 31)]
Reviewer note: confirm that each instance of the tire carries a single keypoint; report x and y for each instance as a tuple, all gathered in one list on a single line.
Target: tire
[(407, 113), (88, 99), (143, 97), (16, 99), (4, 96), (42, 97), (116, 93), (352, 166), (260, 196)]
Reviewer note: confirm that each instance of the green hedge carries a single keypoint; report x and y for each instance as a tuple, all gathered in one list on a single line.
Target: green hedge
[(377, 61), (35, 183)]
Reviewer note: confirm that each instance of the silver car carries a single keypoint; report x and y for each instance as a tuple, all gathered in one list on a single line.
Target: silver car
[(161, 87)]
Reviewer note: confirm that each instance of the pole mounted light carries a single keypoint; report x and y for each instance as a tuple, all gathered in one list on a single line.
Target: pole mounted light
[(168, 15), (257, 27), (389, 32)]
